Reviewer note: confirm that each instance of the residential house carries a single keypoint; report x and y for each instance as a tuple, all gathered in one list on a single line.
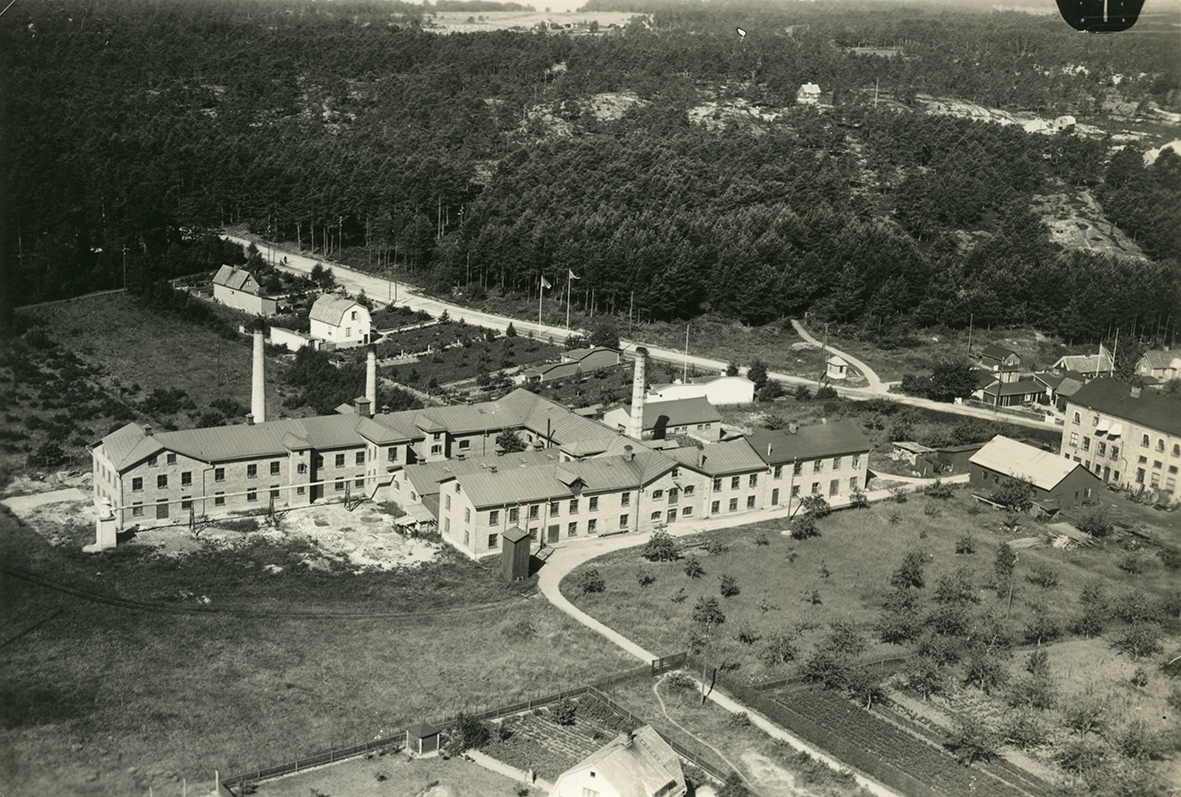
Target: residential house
[(1128, 436), (1012, 394), (340, 321), (996, 358), (1058, 386), (1159, 366), (717, 390), (663, 419), (1057, 483), (236, 287), (1089, 365), (828, 459), (809, 94), (593, 358), (635, 764)]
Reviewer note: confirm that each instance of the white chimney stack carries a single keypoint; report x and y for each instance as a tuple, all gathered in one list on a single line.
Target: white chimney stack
[(371, 378), (635, 427), (258, 391)]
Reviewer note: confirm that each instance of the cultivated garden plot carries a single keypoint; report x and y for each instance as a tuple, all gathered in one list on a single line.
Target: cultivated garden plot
[(976, 626)]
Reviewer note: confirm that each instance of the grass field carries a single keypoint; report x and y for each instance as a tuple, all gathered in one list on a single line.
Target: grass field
[(394, 776), (102, 700)]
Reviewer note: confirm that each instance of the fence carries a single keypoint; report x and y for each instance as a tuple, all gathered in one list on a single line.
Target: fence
[(395, 739), (882, 667), (827, 740)]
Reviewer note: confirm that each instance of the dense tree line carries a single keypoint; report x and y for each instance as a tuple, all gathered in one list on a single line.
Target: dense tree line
[(347, 126)]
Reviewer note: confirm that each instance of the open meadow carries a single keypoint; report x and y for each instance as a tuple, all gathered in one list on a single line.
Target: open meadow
[(155, 668)]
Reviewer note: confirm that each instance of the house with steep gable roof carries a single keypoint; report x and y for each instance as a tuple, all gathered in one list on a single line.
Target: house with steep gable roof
[(994, 358), (238, 288), (340, 321), (1089, 365), (1159, 365), (635, 764)]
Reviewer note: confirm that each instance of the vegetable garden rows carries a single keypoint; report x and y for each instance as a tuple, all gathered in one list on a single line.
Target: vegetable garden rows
[(938, 770), (540, 744)]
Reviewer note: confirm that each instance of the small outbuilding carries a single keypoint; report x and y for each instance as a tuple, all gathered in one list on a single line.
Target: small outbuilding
[(514, 554), (836, 367), (1057, 482), (422, 740)]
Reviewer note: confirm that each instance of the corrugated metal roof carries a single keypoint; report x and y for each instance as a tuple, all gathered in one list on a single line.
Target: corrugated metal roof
[(1023, 387), (677, 412), (809, 442), (1151, 408), (425, 476), (734, 456), (638, 765), (330, 309), (1043, 469)]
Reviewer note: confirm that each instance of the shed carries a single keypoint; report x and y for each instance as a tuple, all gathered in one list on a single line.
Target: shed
[(422, 739), (836, 367), (514, 556)]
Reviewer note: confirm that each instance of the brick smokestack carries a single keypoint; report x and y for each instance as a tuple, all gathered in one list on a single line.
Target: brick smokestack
[(258, 384), (371, 378), (635, 428)]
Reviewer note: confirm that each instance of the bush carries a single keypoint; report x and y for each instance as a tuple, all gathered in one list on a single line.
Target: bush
[(761, 538), (747, 634), (693, 568), (816, 506), (590, 581), (1170, 558), (715, 546), (910, 572), (925, 676), (729, 585), (1081, 756), (1140, 742), (1025, 731), (564, 711), (1141, 639), (468, 733), (1095, 522), (899, 495), (858, 500), (1042, 575), (965, 544), (1131, 563), (661, 547), (739, 719), (707, 612), (938, 489), (644, 577), (1042, 629), (803, 527), (1085, 714), (1014, 494), (971, 741), (778, 649)]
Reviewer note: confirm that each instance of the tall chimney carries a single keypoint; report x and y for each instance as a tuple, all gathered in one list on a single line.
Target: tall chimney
[(635, 428), (371, 378), (258, 385)]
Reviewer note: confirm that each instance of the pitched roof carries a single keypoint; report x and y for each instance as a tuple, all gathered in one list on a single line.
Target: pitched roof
[(236, 278), (995, 352), (426, 476), (809, 442), (677, 412), (1158, 359), (329, 309), (1086, 363), (635, 765), (718, 459), (578, 355), (1043, 469), (1152, 408), (1021, 388)]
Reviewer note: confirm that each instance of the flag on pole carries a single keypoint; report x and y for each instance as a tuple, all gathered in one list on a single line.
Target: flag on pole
[(545, 283), (741, 32), (572, 275)]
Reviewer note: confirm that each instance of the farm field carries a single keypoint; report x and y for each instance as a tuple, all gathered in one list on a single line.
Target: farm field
[(103, 699)]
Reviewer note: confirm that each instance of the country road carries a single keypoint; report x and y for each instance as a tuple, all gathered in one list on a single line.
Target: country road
[(383, 290)]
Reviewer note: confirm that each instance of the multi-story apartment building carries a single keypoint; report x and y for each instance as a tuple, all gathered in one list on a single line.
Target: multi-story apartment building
[(828, 459), (1127, 436)]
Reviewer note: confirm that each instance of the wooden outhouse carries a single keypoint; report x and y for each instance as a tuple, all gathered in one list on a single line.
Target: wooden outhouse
[(514, 554), (422, 739)]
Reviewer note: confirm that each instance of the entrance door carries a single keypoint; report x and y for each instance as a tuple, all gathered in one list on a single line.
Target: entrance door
[(552, 534), (162, 510), (673, 494), (775, 497), (317, 492), (1106, 473), (672, 516)]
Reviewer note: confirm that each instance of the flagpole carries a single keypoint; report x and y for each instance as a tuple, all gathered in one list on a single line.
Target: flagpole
[(540, 293)]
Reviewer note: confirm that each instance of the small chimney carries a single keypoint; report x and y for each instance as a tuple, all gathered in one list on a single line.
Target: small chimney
[(769, 450), (628, 453), (635, 427), (147, 430), (629, 738), (361, 407), (371, 379), (700, 456), (1136, 392), (250, 419), (258, 385), (492, 469)]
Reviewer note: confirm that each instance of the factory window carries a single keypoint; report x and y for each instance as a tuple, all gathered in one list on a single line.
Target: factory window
[(815, 488), (436, 449), (153, 460), (795, 491), (553, 507), (464, 445), (252, 495), (275, 468), (750, 502), (715, 507), (137, 509), (492, 540), (1086, 443), (186, 502), (514, 515), (1144, 441), (467, 514), (573, 506), (686, 511), (834, 486), (339, 485), (856, 461), (817, 466), (494, 517), (778, 472), (717, 485), (1160, 444), (594, 504), (392, 454), (340, 460), (590, 526), (1074, 439), (623, 521), (572, 530), (1101, 448), (301, 468), (534, 511), (274, 491), (656, 516), (300, 490), (836, 463), (735, 481), (252, 471), (733, 504), (170, 459), (625, 499), (753, 481), (359, 482), (797, 468), (137, 484), (319, 461), (219, 499), (360, 458), (688, 489), (657, 495), (1076, 418), (219, 474), (162, 481), (446, 502)]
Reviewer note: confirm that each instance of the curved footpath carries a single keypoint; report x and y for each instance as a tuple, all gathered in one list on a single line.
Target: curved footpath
[(382, 290), (566, 557), (875, 384)]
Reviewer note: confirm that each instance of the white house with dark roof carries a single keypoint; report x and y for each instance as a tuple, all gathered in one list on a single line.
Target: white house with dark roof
[(636, 764), (1089, 365), (236, 287), (340, 321), (663, 419), (1159, 365)]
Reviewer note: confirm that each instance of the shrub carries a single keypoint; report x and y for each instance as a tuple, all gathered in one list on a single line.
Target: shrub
[(679, 596), (778, 649), (661, 547), (1025, 731), (972, 740), (930, 510), (858, 499), (965, 544), (693, 568), (1131, 563), (1036, 692), (803, 527), (590, 581), (1170, 558), (680, 680), (715, 547), (1094, 521), (1140, 742), (1136, 607), (739, 719), (910, 572), (729, 585), (985, 671), (761, 538), (899, 495), (938, 489), (1041, 629), (1085, 714), (1081, 756), (816, 505), (1013, 494), (925, 676), (468, 733), (564, 711), (1140, 639), (747, 634), (707, 612), (645, 577)]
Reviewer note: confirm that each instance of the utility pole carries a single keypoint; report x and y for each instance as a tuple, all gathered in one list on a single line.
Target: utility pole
[(971, 317), (685, 376)]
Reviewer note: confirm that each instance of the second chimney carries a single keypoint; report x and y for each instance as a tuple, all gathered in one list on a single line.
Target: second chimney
[(371, 378), (635, 427), (258, 383)]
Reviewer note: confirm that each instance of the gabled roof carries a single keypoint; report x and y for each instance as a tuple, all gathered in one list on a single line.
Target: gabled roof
[(1158, 360), (1043, 469), (578, 355), (635, 765), (1151, 408), (237, 279), (677, 412), (1086, 363), (994, 352), (426, 476), (1021, 388), (330, 309), (719, 459), (809, 442)]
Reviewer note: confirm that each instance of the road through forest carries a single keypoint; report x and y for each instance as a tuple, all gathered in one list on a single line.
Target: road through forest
[(399, 293)]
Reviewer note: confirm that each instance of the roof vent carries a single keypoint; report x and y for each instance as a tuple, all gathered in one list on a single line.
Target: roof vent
[(492, 469), (250, 419), (147, 430)]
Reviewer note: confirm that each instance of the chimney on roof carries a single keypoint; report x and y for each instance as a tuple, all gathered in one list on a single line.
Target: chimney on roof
[(371, 379), (635, 427), (769, 447), (628, 453), (250, 419), (258, 383), (361, 406), (1136, 392), (492, 469), (629, 738), (700, 456), (147, 430)]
